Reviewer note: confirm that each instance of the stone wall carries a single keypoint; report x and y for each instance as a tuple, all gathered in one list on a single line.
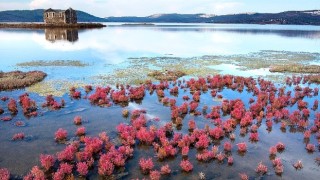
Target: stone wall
[(68, 16)]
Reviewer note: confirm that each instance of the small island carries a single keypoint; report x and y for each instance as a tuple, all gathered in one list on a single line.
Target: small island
[(55, 19)]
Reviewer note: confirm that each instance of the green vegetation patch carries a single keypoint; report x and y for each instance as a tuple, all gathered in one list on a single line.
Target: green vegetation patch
[(18, 79), (74, 63), (54, 87), (295, 68)]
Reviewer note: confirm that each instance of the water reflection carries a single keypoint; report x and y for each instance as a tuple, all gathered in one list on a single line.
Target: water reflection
[(57, 34)]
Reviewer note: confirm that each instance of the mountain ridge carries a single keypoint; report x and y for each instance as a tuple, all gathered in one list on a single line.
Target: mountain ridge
[(307, 17)]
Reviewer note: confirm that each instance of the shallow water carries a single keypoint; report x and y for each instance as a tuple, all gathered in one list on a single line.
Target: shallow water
[(112, 48)]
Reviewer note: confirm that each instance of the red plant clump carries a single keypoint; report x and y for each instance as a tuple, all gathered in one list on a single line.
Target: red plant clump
[(230, 160), (243, 176), (119, 96), (47, 161), (307, 134), (205, 156), (18, 136), (185, 150), (278, 166), (75, 94), (155, 175), (310, 147), (146, 165), (106, 167), (12, 106), (186, 165), (227, 146), (254, 136), (280, 146), (298, 165), (67, 154), (203, 142), (216, 132), (4, 174), (61, 134), (6, 118), (52, 103), (145, 136), (82, 168), (29, 106), (81, 131), (273, 150), (192, 124), (35, 173), (100, 96), (261, 168), (242, 147), (220, 157), (77, 120), (165, 169)]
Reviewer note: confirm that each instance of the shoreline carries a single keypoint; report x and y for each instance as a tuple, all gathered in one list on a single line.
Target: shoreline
[(44, 26)]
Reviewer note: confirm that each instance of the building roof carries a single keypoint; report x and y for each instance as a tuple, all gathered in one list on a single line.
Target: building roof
[(57, 10), (50, 10)]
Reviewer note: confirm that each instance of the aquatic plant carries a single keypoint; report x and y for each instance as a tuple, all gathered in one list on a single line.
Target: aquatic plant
[(242, 147), (261, 168), (81, 131), (155, 175), (12, 106), (82, 168), (298, 165), (186, 165), (310, 147), (254, 136), (227, 146), (4, 174), (18, 79), (146, 165), (220, 157), (47, 161), (67, 154), (165, 169), (243, 176), (280, 146), (6, 118), (18, 136), (35, 173), (185, 150), (106, 167), (273, 150), (77, 120), (230, 160), (125, 112), (61, 134)]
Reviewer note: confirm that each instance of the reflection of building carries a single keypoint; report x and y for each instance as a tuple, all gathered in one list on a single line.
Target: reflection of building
[(54, 34), (68, 16)]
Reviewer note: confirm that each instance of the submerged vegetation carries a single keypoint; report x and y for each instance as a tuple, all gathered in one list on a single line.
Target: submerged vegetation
[(75, 63), (295, 68), (138, 69), (18, 79), (195, 133)]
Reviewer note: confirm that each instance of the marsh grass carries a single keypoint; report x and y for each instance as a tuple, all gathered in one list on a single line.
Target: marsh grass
[(295, 68), (18, 79), (71, 63)]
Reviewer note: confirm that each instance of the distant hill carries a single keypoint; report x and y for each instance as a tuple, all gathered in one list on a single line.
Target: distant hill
[(310, 17), (37, 16)]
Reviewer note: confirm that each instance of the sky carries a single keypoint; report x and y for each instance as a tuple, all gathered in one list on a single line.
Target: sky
[(105, 8)]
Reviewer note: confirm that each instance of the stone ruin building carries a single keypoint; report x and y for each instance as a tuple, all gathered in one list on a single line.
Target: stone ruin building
[(51, 16)]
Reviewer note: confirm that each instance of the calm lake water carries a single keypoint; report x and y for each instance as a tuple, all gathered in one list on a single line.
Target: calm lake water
[(113, 47)]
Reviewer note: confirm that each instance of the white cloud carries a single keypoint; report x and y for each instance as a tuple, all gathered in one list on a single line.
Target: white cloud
[(140, 7)]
